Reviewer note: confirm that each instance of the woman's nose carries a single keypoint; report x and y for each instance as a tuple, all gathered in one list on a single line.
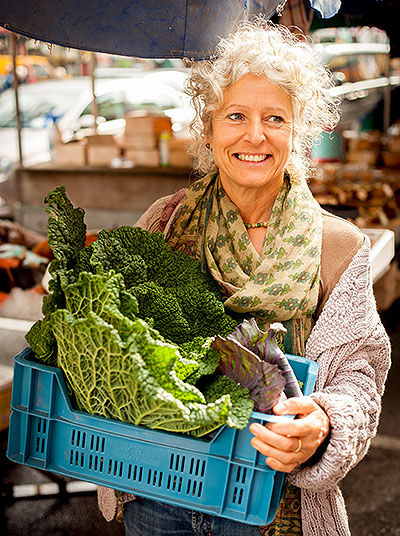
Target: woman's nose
[(255, 133)]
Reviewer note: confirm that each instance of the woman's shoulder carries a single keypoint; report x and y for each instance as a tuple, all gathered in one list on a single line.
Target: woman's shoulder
[(157, 216), (341, 240), (339, 233)]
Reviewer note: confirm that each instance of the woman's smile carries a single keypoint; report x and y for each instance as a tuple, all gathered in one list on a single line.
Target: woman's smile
[(253, 158)]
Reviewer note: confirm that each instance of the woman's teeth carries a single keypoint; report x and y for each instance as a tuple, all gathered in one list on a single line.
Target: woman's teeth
[(251, 157)]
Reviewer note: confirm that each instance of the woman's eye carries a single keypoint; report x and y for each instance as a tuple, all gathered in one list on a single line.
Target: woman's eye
[(277, 119), (236, 116)]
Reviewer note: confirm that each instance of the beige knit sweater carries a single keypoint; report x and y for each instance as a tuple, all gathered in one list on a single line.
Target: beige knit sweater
[(353, 352)]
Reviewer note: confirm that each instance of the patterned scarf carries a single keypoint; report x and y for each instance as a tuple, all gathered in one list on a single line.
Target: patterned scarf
[(281, 284)]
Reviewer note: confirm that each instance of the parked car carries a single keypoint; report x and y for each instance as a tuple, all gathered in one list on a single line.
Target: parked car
[(69, 103)]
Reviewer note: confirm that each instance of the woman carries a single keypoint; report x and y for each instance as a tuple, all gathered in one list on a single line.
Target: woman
[(254, 224)]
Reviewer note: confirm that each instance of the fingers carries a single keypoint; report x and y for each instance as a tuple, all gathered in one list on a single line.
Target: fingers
[(296, 405), (279, 441), (291, 442), (278, 459), (311, 419)]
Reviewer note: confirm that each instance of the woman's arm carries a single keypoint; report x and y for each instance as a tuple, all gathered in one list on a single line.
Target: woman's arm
[(352, 401), (353, 352)]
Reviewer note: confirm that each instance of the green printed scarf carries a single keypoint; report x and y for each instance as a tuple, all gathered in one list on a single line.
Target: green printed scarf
[(281, 284)]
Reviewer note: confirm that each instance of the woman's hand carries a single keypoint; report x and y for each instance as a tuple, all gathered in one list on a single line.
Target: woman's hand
[(291, 443)]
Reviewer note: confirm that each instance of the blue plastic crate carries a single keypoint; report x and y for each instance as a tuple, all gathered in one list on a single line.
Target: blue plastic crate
[(224, 476)]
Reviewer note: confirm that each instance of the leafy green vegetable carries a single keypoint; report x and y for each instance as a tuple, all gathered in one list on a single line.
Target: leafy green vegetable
[(130, 322)]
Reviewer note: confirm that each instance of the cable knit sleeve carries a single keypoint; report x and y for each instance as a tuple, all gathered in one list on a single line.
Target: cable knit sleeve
[(353, 352)]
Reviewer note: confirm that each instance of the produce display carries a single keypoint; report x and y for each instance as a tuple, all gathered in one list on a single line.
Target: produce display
[(138, 330)]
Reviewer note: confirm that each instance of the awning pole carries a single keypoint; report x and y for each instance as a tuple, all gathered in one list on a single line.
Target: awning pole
[(13, 46), (95, 108)]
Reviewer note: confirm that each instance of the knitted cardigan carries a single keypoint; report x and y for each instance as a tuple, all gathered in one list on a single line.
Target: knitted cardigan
[(352, 349)]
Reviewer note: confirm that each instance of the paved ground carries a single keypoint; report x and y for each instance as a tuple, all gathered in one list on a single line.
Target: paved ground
[(371, 490)]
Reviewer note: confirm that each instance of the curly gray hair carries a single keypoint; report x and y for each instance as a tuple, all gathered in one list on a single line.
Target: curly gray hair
[(262, 48)]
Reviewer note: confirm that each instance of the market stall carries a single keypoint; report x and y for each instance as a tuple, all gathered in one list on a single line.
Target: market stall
[(114, 195)]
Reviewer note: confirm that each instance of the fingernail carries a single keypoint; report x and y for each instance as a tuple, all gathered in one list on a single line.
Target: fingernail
[(280, 406), (257, 427)]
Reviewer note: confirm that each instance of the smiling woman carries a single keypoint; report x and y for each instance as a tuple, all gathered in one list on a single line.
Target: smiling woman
[(277, 257)]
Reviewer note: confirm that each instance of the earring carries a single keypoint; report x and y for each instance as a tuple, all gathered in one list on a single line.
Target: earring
[(208, 146)]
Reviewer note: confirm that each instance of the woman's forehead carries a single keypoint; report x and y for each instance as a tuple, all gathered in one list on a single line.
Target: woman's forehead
[(252, 89)]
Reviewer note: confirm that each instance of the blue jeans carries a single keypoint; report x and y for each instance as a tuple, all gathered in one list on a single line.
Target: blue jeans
[(144, 517)]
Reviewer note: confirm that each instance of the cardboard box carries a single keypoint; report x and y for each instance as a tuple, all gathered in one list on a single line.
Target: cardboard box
[(101, 149), (143, 156), (366, 141), (6, 376), (139, 139), (387, 288), (391, 160), (144, 130), (70, 154), (394, 144), (178, 155)]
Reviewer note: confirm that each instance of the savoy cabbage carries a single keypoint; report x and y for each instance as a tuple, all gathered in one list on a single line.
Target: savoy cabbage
[(130, 322)]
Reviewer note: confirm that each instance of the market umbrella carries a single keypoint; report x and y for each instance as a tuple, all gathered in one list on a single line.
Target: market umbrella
[(141, 28)]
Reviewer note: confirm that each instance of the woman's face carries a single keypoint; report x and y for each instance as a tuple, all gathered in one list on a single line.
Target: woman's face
[(251, 134)]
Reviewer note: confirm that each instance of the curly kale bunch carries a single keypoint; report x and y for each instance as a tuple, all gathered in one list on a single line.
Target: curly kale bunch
[(131, 322)]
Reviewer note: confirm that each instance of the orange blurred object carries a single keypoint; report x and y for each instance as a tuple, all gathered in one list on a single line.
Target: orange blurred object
[(3, 296), (43, 249), (90, 238)]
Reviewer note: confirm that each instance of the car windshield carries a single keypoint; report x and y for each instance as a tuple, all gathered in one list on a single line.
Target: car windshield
[(37, 103)]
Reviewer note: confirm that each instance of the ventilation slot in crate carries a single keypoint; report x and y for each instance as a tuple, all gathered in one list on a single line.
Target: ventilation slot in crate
[(115, 468), (96, 463), (41, 431), (76, 458), (241, 474), (97, 443), (135, 472), (194, 488), (154, 478), (177, 462), (174, 483), (78, 438), (197, 467)]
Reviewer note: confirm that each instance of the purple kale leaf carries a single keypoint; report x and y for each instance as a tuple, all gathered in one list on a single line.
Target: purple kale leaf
[(263, 380)]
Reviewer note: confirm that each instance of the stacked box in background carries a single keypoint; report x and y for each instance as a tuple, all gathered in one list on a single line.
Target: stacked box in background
[(364, 147), (178, 152), (147, 141), (93, 150), (6, 376), (391, 156), (141, 138), (69, 154), (101, 149)]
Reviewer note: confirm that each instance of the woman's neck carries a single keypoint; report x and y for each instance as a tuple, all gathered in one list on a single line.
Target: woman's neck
[(254, 204)]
